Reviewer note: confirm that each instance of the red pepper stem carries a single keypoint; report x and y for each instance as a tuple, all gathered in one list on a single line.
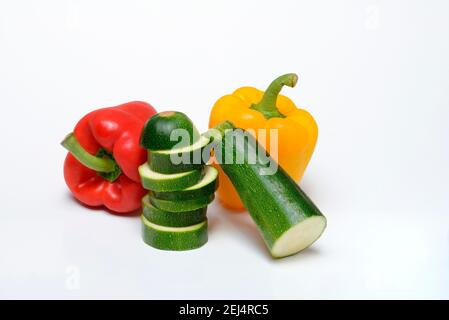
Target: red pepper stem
[(99, 164), (267, 106)]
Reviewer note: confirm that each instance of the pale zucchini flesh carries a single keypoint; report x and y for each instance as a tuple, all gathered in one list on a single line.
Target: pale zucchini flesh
[(298, 237)]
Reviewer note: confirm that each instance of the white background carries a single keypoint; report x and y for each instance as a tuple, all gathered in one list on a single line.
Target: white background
[(375, 75)]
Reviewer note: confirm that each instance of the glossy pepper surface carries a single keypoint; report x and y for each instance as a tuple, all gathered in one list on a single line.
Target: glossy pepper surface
[(104, 155), (253, 109)]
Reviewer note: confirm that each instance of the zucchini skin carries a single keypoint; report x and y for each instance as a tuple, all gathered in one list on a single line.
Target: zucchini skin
[(187, 194), (157, 130), (167, 184), (161, 161), (190, 193), (275, 202), (172, 219), (180, 206), (173, 240)]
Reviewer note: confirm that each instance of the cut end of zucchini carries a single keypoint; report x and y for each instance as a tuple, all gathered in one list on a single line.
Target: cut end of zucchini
[(299, 237)]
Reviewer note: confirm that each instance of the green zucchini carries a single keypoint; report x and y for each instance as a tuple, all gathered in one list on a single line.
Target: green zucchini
[(170, 238), (156, 181), (158, 130), (189, 158), (172, 219), (180, 206), (205, 187), (285, 216)]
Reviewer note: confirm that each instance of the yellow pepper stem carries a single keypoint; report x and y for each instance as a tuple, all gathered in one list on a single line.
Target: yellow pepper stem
[(267, 106)]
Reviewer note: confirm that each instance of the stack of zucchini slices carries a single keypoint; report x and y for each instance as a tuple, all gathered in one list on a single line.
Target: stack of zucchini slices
[(180, 183)]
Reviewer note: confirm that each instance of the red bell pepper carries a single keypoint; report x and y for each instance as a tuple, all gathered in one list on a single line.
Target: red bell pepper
[(104, 155)]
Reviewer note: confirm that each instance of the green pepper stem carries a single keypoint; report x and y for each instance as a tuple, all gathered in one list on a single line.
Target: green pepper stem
[(267, 106), (99, 164)]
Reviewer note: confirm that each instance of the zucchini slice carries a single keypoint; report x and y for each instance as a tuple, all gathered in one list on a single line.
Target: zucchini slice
[(205, 187), (172, 219), (183, 159), (177, 239), (152, 180), (156, 134), (180, 206)]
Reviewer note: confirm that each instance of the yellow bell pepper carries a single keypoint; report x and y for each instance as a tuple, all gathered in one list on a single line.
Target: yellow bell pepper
[(250, 108)]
